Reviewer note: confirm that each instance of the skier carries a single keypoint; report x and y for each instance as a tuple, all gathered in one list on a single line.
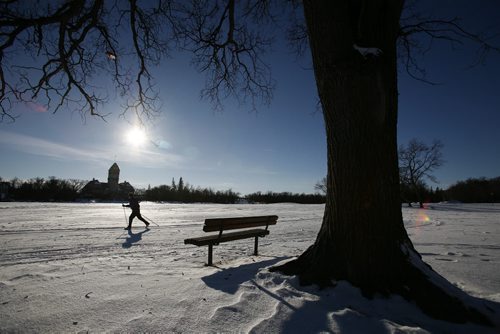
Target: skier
[(136, 211)]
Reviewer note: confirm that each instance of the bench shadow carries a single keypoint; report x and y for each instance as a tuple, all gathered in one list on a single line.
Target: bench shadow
[(133, 238), (229, 280)]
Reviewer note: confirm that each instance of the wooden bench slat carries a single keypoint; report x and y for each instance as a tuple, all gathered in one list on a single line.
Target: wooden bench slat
[(214, 238), (216, 224)]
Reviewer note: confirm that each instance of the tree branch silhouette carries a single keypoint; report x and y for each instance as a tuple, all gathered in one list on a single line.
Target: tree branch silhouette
[(419, 32), (57, 56)]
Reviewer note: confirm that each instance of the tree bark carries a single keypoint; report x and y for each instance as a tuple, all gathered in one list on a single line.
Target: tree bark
[(362, 238)]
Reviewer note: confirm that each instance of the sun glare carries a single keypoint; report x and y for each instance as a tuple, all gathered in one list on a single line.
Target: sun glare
[(136, 137)]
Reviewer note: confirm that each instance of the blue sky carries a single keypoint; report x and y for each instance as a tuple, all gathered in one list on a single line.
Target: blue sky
[(281, 147)]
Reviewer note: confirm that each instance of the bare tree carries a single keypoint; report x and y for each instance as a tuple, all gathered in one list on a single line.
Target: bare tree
[(321, 186), (354, 48), (57, 54), (417, 161), (76, 185), (431, 30)]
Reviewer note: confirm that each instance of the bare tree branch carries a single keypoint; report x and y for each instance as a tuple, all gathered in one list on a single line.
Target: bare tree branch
[(229, 52), (75, 43), (67, 47), (418, 33), (64, 54)]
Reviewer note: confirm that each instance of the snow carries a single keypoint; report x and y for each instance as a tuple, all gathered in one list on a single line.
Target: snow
[(367, 51), (72, 268)]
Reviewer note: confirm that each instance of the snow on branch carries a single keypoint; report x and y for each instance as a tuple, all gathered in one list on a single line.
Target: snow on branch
[(365, 52)]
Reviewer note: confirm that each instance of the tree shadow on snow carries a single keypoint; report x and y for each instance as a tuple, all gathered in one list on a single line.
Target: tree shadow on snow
[(346, 310), (229, 280), (133, 238), (308, 309)]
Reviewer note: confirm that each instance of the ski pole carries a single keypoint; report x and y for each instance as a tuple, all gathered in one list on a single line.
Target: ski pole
[(151, 220), (124, 214)]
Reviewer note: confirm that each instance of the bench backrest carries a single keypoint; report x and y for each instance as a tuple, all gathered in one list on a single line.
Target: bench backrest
[(220, 224)]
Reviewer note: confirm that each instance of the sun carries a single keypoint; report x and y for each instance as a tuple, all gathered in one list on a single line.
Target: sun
[(136, 137)]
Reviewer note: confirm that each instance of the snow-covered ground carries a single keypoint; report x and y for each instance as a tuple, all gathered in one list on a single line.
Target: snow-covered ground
[(72, 268)]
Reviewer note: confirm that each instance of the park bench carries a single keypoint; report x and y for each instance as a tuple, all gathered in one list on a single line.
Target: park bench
[(244, 224)]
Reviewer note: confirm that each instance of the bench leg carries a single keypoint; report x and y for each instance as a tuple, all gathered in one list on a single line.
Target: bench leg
[(256, 246), (210, 249)]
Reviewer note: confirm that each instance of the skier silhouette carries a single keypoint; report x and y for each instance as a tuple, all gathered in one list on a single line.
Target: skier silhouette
[(133, 203)]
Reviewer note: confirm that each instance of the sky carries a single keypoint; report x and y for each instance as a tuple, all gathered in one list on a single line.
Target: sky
[(280, 147)]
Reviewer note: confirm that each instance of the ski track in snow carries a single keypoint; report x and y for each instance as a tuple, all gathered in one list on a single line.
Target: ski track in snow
[(72, 268)]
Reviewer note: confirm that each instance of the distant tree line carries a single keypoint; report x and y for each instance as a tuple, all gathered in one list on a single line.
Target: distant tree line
[(59, 190), (421, 193), (185, 193), (272, 197), (476, 190), (40, 189), (472, 190)]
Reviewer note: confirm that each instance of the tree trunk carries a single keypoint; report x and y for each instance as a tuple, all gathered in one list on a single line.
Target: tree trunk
[(362, 238), (418, 192), (359, 98)]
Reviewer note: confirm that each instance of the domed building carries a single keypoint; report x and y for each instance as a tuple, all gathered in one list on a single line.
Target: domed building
[(112, 190)]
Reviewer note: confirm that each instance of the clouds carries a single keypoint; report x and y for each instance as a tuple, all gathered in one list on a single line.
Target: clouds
[(42, 147), (161, 144), (61, 151)]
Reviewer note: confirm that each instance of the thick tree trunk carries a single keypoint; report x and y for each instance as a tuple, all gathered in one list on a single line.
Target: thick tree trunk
[(362, 222), (362, 238), (359, 99)]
